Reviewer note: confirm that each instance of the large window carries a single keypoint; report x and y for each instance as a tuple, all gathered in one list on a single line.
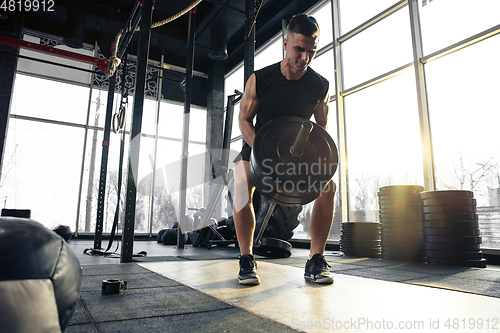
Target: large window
[(464, 116), (41, 170), (446, 22), (379, 49), (53, 160), (356, 12), (383, 142)]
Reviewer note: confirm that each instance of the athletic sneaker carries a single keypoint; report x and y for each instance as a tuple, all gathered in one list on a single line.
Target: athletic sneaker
[(248, 270), (317, 270)]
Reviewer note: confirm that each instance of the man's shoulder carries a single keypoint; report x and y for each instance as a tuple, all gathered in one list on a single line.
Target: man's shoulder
[(267, 69), (316, 75)]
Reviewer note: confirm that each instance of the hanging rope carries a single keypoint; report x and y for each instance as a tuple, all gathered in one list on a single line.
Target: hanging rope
[(115, 61)]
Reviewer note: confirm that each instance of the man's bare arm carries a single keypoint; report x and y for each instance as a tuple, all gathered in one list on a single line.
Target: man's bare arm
[(321, 112), (249, 106)]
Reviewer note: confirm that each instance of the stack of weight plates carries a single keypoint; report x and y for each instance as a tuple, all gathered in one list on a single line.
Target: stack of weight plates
[(401, 222), (360, 239), (451, 228)]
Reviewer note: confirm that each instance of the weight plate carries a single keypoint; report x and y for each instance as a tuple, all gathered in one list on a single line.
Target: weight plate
[(373, 240), (402, 245), (452, 231), (449, 202), (362, 249), (372, 235), (363, 254), (401, 238), (403, 198), (449, 209), (401, 231), (403, 249), (451, 194), (468, 263), (398, 216), (360, 242), (452, 247), (400, 188), (454, 255), (396, 203), (361, 230), (453, 239), (450, 224), (398, 210), (290, 179), (273, 248), (399, 250), (393, 200), (359, 246), (360, 235), (415, 257), (404, 227), (415, 224), (450, 216), (360, 225), (373, 229), (412, 225)]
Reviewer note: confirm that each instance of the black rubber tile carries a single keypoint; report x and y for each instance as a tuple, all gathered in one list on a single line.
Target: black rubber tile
[(227, 320), (385, 274), (431, 269), (158, 259), (113, 269), (210, 257), (81, 315), (364, 261), (291, 261), (459, 282), (80, 328), (491, 275), (150, 302), (134, 281)]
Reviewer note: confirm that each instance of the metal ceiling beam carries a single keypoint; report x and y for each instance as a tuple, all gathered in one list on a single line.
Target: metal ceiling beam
[(102, 64), (97, 9), (220, 4)]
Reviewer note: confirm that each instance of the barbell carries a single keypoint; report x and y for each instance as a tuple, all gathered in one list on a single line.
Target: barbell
[(292, 160), (291, 163)]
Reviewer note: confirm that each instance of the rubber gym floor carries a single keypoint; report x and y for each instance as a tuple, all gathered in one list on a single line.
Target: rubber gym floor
[(196, 290)]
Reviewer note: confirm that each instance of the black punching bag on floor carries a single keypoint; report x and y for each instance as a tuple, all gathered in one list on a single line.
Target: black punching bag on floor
[(40, 278)]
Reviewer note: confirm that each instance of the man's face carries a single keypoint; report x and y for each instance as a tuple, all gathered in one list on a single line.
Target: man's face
[(300, 50)]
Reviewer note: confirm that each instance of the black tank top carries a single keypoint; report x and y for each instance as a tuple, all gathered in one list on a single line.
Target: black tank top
[(280, 97)]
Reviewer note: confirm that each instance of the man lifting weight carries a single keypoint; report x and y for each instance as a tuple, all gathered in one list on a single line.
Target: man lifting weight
[(287, 88)]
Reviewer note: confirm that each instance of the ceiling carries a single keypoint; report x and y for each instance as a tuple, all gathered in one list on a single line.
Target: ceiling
[(104, 18)]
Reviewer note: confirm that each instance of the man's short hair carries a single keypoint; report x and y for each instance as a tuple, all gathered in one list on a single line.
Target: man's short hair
[(304, 25)]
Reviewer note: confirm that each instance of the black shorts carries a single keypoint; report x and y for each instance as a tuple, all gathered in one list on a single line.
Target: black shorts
[(245, 153)]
